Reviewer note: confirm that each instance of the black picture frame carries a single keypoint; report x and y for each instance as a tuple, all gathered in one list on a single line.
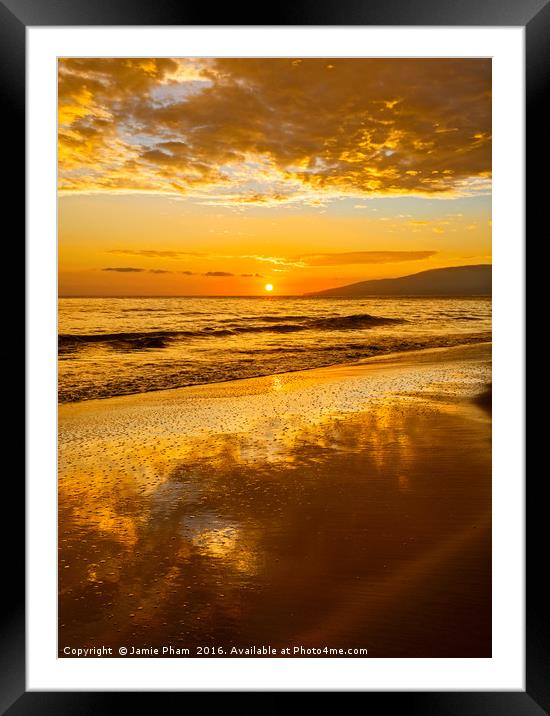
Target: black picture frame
[(534, 16)]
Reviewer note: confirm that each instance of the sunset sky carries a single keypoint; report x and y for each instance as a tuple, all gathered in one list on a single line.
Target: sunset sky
[(219, 176)]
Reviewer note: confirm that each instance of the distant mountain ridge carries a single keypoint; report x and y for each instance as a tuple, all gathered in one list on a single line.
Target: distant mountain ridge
[(452, 281)]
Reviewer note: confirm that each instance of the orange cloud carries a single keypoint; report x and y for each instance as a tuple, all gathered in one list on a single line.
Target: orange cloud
[(153, 253), (365, 257), (270, 131), (123, 269)]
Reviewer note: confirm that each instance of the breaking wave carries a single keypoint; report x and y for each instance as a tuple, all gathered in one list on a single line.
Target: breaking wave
[(275, 324)]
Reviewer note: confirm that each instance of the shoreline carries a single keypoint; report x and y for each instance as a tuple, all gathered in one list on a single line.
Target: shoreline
[(370, 360)]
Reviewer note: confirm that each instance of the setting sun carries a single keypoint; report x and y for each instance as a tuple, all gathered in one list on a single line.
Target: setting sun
[(268, 287)]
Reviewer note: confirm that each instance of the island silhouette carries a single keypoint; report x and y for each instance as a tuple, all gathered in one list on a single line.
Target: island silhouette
[(452, 281)]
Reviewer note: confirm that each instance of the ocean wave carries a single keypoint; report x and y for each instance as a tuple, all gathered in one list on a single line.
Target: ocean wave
[(68, 343), (160, 339), (268, 319), (251, 364), (359, 320)]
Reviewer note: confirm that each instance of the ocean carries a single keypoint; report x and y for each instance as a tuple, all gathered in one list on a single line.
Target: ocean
[(121, 346)]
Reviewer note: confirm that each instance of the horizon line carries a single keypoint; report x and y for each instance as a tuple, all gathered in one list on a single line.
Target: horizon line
[(290, 295)]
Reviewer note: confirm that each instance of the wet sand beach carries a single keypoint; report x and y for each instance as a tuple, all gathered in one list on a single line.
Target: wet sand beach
[(342, 507)]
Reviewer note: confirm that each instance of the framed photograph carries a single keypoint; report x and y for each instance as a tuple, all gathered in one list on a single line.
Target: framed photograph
[(275, 355)]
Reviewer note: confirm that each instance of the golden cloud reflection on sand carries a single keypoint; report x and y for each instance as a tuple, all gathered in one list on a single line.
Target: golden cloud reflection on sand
[(226, 537)]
